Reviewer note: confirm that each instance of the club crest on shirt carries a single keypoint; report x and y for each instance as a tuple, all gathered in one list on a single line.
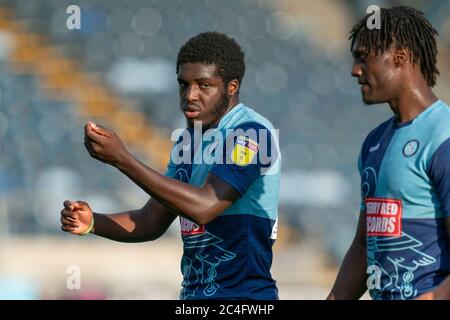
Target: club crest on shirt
[(411, 148), (384, 217), (244, 151)]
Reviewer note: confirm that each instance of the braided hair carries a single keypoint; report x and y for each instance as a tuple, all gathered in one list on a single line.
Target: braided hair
[(403, 27)]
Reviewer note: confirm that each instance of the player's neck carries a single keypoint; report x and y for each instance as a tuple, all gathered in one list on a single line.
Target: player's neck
[(412, 102), (234, 101)]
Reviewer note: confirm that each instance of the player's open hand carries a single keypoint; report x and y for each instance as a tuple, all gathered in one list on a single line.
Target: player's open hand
[(103, 144), (76, 217)]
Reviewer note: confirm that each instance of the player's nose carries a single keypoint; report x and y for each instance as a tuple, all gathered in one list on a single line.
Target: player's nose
[(191, 93), (356, 70)]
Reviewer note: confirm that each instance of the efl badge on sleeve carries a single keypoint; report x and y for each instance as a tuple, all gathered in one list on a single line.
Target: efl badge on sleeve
[(244, 151)]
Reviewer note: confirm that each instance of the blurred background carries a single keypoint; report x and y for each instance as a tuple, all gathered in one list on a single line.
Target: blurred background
[(119, 71)]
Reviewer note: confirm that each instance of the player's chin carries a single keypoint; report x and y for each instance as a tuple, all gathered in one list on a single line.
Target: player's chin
[(369, 99), (190, 123), (198, 123), (368, 102)]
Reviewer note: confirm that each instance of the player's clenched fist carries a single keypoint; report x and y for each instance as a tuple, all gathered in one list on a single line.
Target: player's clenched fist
[(103, 144), (77, 217)]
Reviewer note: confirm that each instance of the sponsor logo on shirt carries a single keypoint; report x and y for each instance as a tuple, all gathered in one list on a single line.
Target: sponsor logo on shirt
[(189, 228), (244, 151), (384, 217)]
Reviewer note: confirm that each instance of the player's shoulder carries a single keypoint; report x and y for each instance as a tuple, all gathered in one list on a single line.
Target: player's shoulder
[(439, 120), (375, 134), (436, 130), (378, 130), (252, 124), (249, 118)]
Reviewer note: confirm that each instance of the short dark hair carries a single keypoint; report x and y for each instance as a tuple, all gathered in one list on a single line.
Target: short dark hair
[(404, 27), (215, 48)]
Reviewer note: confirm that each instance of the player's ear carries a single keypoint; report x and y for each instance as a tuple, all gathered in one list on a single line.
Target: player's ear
[(401, 56), (233, 87)]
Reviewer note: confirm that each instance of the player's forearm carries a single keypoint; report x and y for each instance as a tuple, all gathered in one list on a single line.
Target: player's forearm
[(183, 198), (351, 279), (124, 227)]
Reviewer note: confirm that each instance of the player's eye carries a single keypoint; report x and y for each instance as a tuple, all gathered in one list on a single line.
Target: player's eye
[(204, 85), (360, 55)]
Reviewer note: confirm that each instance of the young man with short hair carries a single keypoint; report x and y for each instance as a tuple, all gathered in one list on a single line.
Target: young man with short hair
[(223, 189)]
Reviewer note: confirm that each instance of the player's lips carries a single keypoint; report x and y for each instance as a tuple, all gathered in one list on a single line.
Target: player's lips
[(364, 85), (191, 113)]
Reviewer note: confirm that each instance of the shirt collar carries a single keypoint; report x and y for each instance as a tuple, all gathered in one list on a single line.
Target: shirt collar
[(228, 117)]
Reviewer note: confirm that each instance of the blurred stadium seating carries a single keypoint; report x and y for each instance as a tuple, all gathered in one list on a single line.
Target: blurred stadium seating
[(119, 70)]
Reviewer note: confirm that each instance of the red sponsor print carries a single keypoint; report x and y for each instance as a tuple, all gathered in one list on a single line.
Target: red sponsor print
[(252, 145), (189, 228), (248, 143), (384, 217)]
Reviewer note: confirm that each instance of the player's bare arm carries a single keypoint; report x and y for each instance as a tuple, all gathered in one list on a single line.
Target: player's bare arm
[(210, 68), (351, 279), (145, 224), (199, 204)]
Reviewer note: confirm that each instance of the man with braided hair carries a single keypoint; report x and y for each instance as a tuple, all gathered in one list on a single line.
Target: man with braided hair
[(401, 249), (222, 181)]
